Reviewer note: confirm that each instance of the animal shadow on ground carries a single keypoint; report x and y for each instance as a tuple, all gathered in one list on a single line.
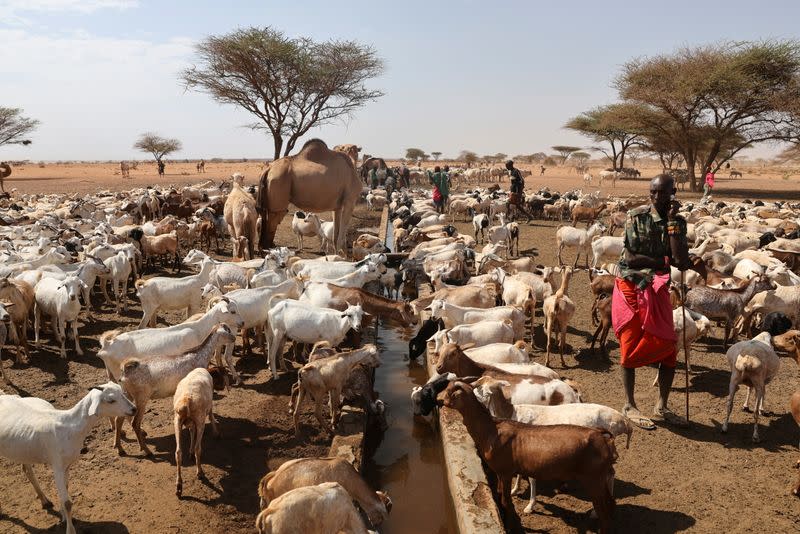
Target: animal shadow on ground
[(594, 360), (774, 433), (104, 527)]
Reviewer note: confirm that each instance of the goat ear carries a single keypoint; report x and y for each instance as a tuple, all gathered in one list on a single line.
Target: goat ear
[(96, 400)]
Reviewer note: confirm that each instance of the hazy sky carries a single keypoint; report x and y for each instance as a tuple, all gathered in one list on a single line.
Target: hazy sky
[(491, 77)]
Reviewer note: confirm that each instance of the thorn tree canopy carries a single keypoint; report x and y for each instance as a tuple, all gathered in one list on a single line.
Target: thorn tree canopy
[(14, 127), (616, 124), (290, 84), (468, 157), (156, 145), (415, 153), (565, 151), (712, 101)]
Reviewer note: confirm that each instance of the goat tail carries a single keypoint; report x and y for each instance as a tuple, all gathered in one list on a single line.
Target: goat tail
[(612, 448), (140, 284), (108, 337), (746, 362), (184, 408), (263, 488)]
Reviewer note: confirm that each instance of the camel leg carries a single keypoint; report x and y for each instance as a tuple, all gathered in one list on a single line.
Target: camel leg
[(268, 230), (346, 213)]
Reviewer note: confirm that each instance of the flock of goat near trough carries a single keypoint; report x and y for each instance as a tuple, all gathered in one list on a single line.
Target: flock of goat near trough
[(525, 420)]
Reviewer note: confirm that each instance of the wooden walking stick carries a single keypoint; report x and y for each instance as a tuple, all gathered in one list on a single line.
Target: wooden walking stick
[(685, 347)]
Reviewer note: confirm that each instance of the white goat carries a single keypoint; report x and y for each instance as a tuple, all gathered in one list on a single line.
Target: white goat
[(33, 431), (59, 301), (162, 293), (307, 324)]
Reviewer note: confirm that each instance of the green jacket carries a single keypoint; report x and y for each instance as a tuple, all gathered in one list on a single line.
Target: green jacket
[(646, 235), (442, 181)]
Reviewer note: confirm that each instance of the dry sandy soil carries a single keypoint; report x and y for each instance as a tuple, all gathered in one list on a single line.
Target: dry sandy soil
[(670, 480)]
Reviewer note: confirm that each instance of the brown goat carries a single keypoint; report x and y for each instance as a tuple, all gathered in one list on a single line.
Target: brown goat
[(20, 293), (553, 452), (601, 311), (582, 213), (794, 407)]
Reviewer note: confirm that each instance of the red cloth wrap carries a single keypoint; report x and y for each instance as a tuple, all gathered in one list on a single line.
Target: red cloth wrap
[(642, 321)]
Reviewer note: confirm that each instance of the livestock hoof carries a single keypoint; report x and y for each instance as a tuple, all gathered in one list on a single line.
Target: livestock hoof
[(179, 491), (47, 505), (121, 451), (202, 476), (747, 409), (724, 429), (529, 509), (148, 453), (756, 439)]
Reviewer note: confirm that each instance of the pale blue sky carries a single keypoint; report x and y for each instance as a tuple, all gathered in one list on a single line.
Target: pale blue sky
[(491, 77)]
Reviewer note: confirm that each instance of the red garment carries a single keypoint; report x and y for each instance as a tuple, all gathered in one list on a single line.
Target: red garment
[(642, 322), (710, 179)]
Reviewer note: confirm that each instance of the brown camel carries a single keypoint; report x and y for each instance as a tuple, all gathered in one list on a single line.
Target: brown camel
[(350, 150), (317, 179), (5, 172)]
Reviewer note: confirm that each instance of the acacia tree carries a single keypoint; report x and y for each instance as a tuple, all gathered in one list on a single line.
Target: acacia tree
[(289, 84), (615, 124), (711, 102), (580, 158), (436, 155), (564, 151), (14, 127), (415, 153), (468, 157), (156, 145)]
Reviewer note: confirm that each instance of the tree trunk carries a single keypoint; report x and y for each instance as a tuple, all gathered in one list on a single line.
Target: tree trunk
[(277, 141)]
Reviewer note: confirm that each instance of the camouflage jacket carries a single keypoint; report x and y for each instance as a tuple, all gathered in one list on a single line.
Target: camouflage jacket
[(646, 235)]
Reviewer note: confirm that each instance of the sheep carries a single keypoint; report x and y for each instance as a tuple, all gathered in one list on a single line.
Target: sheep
[(21, 294), (158, 377), (117, 346), (453, 315), (783, 299), (320, 509), (59, 301), (327, 376), (569, 236), (552, 452), (489, 393), (119, 268), (33, 431), (724, 304), (307, 324), (162, 293), (558, 310), (192, 404), (303, 472), (753, 363)]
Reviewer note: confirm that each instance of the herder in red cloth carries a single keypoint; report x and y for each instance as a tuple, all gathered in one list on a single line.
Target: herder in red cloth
[(655, 238)]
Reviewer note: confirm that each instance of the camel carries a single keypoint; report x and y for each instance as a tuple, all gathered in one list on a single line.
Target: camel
[(350, 150), (5, 172), (242, 218), (317, 179)]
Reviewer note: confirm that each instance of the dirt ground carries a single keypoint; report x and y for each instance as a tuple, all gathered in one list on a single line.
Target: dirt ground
[(670, 480)]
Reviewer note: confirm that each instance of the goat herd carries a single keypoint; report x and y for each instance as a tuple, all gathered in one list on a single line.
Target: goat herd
[(478, 317)]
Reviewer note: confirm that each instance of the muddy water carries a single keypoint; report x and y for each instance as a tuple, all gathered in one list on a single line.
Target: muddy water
[(408, 462)]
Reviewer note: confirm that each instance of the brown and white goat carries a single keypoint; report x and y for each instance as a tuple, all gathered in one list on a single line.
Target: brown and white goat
[(553, 452)]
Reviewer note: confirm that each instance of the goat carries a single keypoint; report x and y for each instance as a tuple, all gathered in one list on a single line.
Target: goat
[(21, 294), (558, 310), (158, 378), (312, 471), (489, 392), (162, 293), (724, 304), (320, 509), (192, 404), (569, 236), (33, 431), (553, 452), (327, 376), (59, 301)]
